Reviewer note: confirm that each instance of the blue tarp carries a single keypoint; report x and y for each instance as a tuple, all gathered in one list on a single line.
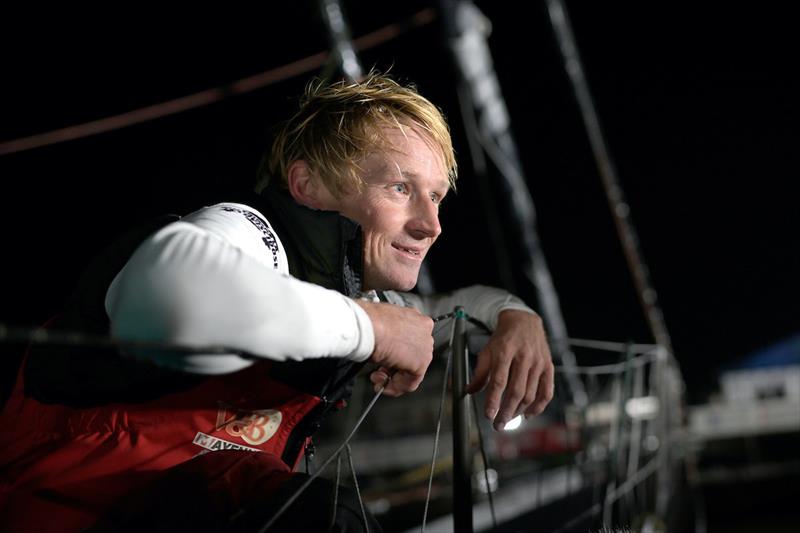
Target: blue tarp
[(782, 353)]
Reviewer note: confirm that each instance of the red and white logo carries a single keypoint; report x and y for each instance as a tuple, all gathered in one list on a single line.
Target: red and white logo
[(253, 427)]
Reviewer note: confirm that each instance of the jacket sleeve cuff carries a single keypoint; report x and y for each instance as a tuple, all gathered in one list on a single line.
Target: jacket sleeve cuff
[(365, 343)]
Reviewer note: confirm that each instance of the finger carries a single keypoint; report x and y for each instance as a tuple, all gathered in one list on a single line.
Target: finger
[(378, 378), (379, 375), (481, 376), (395, 387), (401, 383), (544, 393), (513, 394), (498, 379), (531, 388)]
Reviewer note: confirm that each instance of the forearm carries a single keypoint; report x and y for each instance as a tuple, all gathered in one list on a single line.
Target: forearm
[(479, 301), (189, 287)]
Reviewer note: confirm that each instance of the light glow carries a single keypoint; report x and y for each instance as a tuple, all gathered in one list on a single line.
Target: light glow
[(513, 424)]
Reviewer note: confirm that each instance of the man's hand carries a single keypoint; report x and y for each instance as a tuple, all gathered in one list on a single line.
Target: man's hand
[(517, 366), (403, 344)]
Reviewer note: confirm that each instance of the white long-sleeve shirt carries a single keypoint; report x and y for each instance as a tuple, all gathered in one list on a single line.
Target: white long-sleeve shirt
[(220, 277)]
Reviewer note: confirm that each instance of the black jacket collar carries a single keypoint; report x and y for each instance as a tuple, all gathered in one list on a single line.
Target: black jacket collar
[(322, 247)]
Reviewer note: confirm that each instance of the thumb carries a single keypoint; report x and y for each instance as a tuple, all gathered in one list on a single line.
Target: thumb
[(379, 377)]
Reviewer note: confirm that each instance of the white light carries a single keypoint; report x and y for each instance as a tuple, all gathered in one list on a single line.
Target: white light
[(513, 424), (644, 407)]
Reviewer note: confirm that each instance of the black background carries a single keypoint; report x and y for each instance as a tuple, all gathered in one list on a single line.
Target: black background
[(699, 107)]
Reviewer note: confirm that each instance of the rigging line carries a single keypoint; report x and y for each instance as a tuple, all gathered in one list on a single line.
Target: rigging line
[(12, 334), (475, 322), (327, 461), (620, 210), (584, 343), (502, 256), (610, 346), (43, 336), (336, 491), (439, 323), (355, 485), (485, 459), (438, 427), (630, 483), (216, 94), (635, 434), (614, 368), (613, 453), (443, 317)]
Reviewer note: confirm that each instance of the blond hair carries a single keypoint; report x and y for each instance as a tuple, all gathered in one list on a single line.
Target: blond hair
[(340, 124)]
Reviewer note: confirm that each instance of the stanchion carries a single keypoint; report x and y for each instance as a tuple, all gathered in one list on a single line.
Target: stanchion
[(462, 457)]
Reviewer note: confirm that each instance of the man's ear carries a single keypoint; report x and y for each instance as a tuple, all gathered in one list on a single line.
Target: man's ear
[(306, 189)]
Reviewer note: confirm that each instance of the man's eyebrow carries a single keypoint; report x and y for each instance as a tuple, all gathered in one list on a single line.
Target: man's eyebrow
[(408, 174)]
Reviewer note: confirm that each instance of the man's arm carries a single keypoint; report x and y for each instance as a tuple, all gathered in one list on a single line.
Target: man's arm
[(216, 279), (515, 364)]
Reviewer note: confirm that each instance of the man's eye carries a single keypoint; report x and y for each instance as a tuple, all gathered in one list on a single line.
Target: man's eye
[(400, 187)]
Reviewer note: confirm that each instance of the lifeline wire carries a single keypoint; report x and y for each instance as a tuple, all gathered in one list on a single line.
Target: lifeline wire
[(614, 368), (43, 336), (438, 426), (485, 462), (355, 485), (336, 491)]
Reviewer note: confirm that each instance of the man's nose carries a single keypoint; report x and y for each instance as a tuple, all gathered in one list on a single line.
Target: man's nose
[(424, 222)]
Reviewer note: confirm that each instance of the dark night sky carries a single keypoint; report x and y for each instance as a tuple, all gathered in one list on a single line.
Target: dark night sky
[(699, 108)]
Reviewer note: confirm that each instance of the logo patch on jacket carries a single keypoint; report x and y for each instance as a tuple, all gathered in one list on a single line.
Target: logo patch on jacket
[(253, 427)]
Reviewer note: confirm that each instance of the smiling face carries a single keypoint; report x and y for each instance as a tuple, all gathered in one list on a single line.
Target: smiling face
[(398, 209)]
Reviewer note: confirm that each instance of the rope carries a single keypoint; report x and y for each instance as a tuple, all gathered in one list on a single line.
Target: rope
[(216, 94)]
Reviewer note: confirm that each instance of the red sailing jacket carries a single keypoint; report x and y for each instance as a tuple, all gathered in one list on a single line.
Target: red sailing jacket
[(67, 466)]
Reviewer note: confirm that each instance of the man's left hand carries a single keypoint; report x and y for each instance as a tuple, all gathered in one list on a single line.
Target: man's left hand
[(517, 366)]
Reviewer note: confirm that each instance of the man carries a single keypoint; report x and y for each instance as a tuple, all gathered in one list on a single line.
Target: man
[(306, 278)]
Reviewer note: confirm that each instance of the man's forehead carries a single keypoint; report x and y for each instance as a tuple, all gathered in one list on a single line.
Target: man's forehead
[(414, 147)]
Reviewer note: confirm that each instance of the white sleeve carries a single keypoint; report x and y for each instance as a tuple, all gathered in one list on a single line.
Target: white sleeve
[(219, 277), (479, 301)]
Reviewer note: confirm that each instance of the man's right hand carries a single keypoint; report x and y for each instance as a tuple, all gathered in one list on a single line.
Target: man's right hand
[(403, 345)]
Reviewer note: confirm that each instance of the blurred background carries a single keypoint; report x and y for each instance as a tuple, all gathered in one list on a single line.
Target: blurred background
[(699, 110)]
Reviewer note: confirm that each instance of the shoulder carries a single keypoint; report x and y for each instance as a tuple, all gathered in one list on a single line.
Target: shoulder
[(245, 227)]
